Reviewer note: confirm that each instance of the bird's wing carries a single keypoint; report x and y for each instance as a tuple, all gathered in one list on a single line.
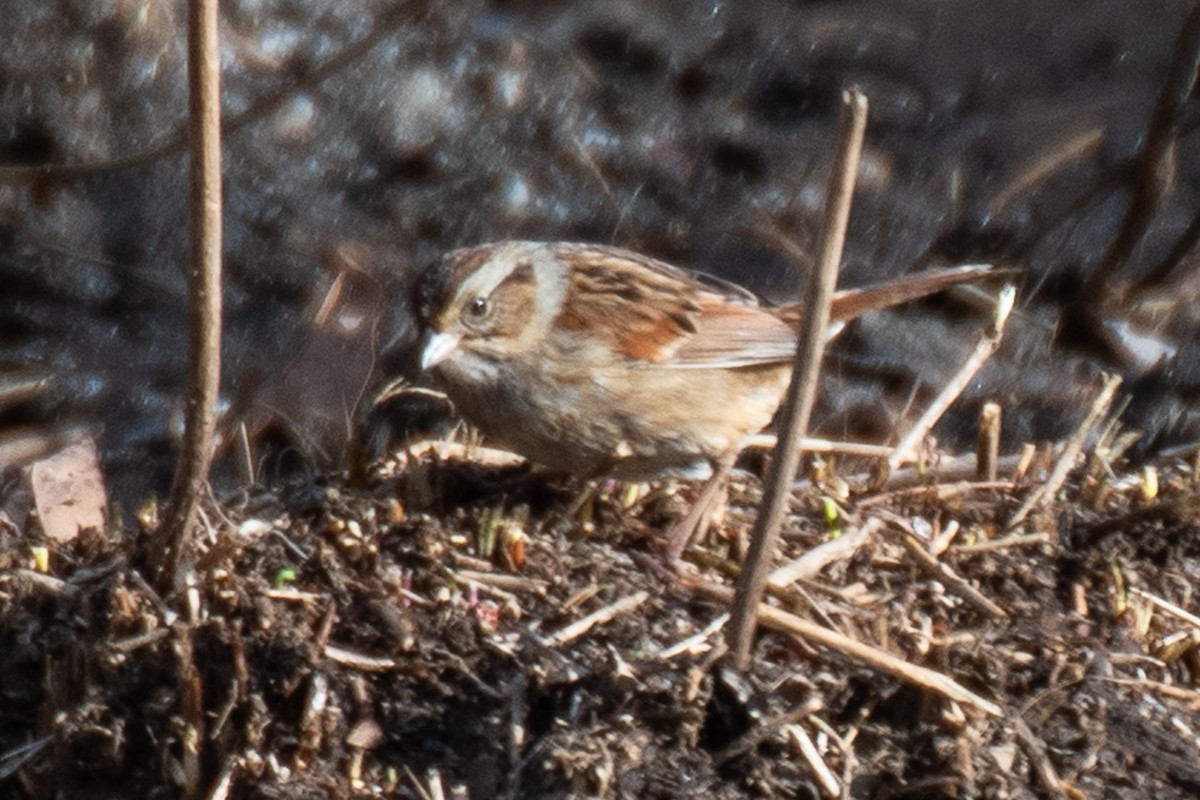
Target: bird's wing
[(734, 336)]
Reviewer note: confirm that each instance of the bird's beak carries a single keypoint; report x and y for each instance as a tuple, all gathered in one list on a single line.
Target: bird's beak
[(438, 349)]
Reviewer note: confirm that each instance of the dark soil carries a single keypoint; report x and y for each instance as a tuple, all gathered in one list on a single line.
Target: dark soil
[(345, 641)]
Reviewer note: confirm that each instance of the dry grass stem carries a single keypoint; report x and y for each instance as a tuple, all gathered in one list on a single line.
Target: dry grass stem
[(963, 468), (1035, 750), (500, 580), (358, 661), (992, 545), (1038, 169), (939, 491), (416, 784), (458, 451), (821, 771), (768, 441), (1192, 696), (224, 782), (923, 677), (1070, 452), (146, 639), (988, 451), (696, 643), (245, 455), (599, 617), (1167, 606), (954, 387), (941, 572), (816, 559), (294, 596), (16, 758)]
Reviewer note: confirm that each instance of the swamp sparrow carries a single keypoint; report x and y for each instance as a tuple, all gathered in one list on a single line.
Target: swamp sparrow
[(599, 361)]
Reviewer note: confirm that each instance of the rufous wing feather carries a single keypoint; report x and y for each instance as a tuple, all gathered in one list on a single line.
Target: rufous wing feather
[(644, 308)]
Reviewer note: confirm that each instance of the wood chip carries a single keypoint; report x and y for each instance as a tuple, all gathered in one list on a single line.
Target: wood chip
[(68, 490)]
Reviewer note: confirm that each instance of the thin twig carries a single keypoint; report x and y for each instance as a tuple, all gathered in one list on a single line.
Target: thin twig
[(204, 287), (16, 758), (768, 441), (764, 730), (416, 783), (224, 783), (942, 572), (165, 613), (988, 450), (813, 561), (1046, 163), (695, 642), (609, 612), (358, 661), (935, 491), (132, 643), (1167, 606), (1035, 751), (983, 351), (290, 595), (821, 771), (246, 455), (509, 583), (948, 469), (852, 125), (1071, 452), (37, 579), (1004, 543), (190, 689), (780, 620)]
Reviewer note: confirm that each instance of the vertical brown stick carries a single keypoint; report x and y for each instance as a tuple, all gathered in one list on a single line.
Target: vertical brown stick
[(988, 451), (852, 125), (204, 286)]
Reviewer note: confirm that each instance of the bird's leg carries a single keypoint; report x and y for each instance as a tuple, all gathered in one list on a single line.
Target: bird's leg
[(700, 514)]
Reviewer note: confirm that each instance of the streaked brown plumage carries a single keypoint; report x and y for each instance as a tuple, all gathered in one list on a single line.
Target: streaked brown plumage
[(600, 361)]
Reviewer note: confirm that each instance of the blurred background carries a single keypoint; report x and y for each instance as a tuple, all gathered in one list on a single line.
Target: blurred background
[(363, 139)]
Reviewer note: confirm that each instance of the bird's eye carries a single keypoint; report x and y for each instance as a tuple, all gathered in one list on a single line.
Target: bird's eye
[(478, 308)]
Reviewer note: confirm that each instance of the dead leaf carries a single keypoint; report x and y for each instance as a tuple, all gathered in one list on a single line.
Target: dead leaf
[(68, 490)]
